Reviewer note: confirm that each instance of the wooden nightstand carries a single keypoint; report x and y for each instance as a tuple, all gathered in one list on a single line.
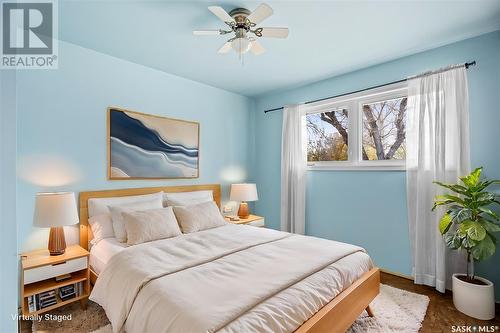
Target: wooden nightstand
[(38, 283), (254, 220)]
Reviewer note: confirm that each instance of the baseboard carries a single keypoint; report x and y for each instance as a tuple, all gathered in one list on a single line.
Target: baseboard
[(497, 302), (397, 274)]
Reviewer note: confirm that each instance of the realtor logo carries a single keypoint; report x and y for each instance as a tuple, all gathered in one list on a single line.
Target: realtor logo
[(29, 34)]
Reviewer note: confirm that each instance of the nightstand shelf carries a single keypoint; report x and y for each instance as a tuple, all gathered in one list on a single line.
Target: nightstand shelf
[(39, 270), (253, 220), (46, 285), (52, 307)]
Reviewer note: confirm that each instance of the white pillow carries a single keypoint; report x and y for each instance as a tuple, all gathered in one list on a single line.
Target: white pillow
[(187, 198), (102, 227), (117, 217), (98, 206), (199, 217), (149, 225)]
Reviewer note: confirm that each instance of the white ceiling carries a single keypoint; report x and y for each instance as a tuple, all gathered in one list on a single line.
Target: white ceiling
[(326, 38)]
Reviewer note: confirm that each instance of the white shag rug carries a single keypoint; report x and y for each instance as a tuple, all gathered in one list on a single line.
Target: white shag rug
[(395, 311)]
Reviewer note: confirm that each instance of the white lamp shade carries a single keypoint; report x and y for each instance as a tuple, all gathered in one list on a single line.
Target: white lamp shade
[(55, 210), (244, 192)]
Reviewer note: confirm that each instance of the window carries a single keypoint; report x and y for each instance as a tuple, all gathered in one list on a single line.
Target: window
[(358, 131), (327, 134), (384, 130)]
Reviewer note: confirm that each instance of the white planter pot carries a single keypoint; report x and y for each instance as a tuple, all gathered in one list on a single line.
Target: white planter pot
[(474, 300)]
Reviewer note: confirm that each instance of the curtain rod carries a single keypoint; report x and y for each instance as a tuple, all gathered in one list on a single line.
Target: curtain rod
[(466, 65)]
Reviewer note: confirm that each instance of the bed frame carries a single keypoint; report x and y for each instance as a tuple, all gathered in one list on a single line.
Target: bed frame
[(336, 316)]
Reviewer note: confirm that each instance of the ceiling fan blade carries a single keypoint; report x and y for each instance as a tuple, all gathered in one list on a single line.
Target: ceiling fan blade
[(275, 32), (206, 32), (220, 13), (225, 48), (257, 48), (260, 13)]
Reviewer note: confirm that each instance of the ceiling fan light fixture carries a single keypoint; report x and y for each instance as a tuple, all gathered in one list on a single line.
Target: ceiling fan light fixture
[(241, 45), (243, 24)]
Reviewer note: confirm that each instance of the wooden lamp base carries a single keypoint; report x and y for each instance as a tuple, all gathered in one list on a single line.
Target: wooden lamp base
[(57, 242), (243, 211)]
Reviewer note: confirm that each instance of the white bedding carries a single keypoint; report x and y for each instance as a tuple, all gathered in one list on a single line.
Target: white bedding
[(101, 252), (226, 279)]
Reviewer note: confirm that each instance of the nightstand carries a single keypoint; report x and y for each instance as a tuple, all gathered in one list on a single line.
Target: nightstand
[(40, 292), (254, 220)]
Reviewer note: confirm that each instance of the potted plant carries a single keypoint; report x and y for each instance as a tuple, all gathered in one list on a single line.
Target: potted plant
[(469, 224)]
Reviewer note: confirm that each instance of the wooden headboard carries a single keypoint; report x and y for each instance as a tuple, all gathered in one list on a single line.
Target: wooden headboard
[(85, 196)]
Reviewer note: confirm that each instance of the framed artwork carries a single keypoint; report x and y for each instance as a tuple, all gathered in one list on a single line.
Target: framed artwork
[(143, 146)]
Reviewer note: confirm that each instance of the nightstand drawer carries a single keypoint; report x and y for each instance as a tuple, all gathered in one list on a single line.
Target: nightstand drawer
[(50, 271), (257, 223)]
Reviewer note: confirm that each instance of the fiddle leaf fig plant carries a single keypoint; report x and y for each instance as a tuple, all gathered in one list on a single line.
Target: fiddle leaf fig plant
[(469, 223)]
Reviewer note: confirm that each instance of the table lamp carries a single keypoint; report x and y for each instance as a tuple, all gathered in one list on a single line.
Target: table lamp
[(55, 210), (243, 193)]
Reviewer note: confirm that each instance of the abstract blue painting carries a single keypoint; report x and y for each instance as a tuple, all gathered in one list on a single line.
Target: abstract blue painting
[(145, 146)]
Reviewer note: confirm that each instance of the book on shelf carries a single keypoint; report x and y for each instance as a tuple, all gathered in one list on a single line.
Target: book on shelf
[(31, 304), (66, 290), (67, 293), (47, 295), (48, 303), (67, 297), (68, 287)]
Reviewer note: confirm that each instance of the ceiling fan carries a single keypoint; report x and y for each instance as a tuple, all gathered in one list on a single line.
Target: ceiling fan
[(242, 23)]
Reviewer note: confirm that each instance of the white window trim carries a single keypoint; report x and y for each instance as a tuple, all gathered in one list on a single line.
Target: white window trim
[(353, 103)]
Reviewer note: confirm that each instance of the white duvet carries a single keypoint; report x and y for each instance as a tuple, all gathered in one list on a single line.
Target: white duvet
[(227, 279)]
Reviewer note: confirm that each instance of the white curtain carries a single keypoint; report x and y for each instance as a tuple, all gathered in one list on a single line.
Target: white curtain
[(437, 144), (293, 170)]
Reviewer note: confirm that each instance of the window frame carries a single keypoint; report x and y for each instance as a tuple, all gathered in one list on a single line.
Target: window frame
[(354, 103)]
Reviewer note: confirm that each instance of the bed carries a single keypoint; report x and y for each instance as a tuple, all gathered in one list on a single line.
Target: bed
[(322, 286)]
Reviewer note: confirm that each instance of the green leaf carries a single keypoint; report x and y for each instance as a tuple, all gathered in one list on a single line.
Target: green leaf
[(459, 214), (454, 199), (490, 226), (441, 203), (493, 238), (453, 241), (486, 196), (440, 198), (444, 224), (472, 179), (464, 226), (468, 243), (484, 249), (482, 185), (482, 203), (489, 212), (454, 187), (472, 229), (476, 232)]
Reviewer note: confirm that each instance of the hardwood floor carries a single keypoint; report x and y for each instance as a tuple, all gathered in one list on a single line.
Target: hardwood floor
[(441, 314)]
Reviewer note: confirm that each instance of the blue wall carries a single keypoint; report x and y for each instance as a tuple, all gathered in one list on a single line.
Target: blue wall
[(369, 207), (62, 127), (8, 229)]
